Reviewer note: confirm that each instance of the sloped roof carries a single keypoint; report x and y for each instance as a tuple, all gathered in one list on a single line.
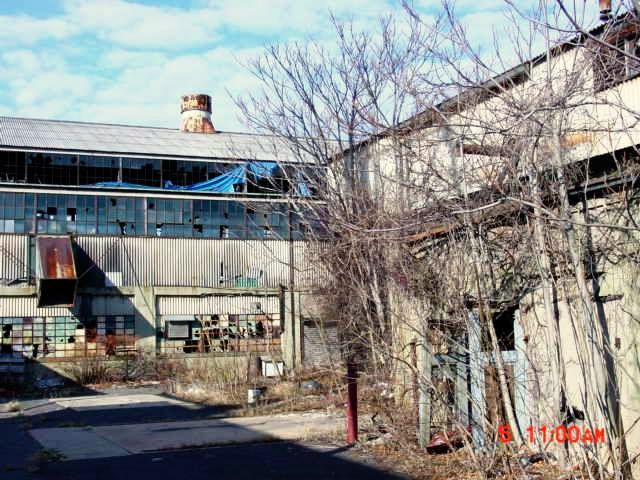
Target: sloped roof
[(32, 133)]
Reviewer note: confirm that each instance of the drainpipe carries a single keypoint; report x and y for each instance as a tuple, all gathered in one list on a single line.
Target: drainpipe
[(352, 403), (424, 407), (292, 297)]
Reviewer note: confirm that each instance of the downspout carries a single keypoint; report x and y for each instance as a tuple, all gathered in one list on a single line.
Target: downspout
[(292, 296)]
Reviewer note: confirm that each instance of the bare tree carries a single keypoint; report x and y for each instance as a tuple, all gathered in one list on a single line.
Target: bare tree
[(453, 192)]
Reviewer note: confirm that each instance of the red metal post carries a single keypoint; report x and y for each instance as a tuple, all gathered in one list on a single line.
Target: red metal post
[(352, 404)]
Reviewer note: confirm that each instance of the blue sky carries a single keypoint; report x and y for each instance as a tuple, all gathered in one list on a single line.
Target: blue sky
[(125, 61)]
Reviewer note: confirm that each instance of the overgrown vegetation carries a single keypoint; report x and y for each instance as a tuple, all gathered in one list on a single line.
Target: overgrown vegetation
[(460, 200)]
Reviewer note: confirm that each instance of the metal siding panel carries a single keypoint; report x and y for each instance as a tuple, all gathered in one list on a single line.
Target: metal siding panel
[(96, 137), (220, 304), (100, 305), (13, 257), (308, 271), (27, 307), (152, 261)]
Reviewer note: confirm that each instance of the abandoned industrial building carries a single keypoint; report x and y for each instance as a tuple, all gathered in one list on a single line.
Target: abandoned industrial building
[(115, 239), (506, 296), (563, 346)]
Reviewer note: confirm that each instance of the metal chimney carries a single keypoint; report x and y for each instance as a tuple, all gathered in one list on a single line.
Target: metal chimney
[(605, 9), (196, 113)]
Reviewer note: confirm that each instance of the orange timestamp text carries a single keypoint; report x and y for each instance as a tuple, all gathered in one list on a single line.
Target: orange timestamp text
[(559, 434)]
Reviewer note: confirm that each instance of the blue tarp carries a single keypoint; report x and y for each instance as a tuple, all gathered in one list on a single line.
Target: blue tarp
[(224, 183), (301, 188), (117, 185), (221, 184), (262, 169)]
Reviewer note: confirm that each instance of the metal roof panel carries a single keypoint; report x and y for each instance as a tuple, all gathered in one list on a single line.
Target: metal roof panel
[(125, 139)]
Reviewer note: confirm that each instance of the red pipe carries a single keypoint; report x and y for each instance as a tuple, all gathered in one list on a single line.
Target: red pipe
[(352, 404)]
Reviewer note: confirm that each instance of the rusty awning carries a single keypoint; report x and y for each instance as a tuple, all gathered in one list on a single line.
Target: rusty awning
[(55, 271)]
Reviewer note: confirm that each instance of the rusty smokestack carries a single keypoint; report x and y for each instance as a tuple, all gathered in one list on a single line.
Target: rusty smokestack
[(605, 9), (196, 113)]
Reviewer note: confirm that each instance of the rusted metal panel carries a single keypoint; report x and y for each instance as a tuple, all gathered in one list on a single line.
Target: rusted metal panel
[(55, 258), (55, 271), (196, 113), (218, 304)]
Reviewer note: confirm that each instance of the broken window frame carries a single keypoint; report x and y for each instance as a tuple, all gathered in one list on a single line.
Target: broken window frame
[(609, 65), (67, 336)]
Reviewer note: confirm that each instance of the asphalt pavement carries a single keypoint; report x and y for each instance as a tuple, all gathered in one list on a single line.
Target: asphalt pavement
[(141, 434)]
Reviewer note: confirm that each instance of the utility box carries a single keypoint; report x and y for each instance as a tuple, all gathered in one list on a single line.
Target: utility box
[(56, 277)]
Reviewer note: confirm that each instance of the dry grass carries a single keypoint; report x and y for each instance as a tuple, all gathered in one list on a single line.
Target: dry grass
[(419, 465), (90, 371), (136, 368), (212, 380), (42, 458), (392, 428)]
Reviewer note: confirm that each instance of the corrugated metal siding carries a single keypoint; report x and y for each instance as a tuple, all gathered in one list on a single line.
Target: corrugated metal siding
[(188, 261), (308, 266), (13, 258), (191, 262), (238, 304), (27, 307)]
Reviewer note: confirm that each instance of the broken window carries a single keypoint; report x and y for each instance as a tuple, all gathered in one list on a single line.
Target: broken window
[(619, 60), (503, 323), (257, 332), (95, 169), (52, 169), (183, 173), (71, 214), (12, 166), (47, 213), (60, 337), (141, 171)]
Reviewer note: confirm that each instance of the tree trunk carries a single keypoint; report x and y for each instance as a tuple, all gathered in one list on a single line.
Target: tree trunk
[(548, 297)]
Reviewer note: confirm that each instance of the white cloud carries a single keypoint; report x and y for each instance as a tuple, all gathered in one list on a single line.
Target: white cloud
[(26, 30), (144, 26), (41, 84), (119, 61)]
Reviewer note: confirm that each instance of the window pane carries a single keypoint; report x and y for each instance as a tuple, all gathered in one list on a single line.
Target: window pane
[(52, 169), (141, 171), (98, 169), (12, 166)]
